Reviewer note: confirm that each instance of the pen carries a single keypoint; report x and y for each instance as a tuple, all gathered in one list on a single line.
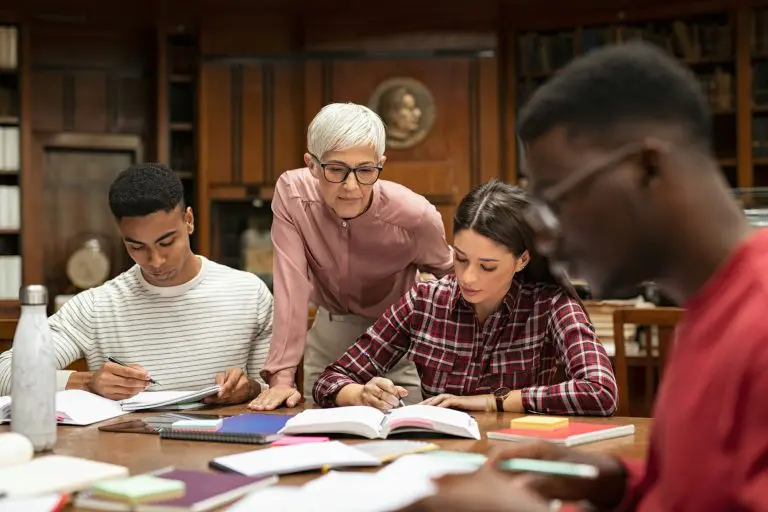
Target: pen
[(549, 467), (117, 361), (380, 372)]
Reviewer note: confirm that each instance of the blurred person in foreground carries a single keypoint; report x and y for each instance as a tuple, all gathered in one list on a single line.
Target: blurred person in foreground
[(620, 155)]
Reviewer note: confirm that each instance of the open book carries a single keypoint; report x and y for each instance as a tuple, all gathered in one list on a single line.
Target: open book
[(76, 407), (370, 422), (23, 475), (161, 399)]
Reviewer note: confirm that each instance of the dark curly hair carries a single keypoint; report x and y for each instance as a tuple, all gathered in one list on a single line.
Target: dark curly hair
[(144, 189)]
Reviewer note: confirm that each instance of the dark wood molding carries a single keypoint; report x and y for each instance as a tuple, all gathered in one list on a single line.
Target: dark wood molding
[(69, 102), (268, 98), (236, 100), (473, 89)]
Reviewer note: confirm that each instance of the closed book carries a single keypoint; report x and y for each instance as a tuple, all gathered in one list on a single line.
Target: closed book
[(204, 491), (573, 434)]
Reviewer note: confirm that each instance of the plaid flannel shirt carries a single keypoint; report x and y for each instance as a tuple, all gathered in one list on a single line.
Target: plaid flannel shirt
[(517, 347)]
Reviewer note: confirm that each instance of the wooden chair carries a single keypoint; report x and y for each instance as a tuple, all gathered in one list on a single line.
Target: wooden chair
[(664, 320), (7, 330)]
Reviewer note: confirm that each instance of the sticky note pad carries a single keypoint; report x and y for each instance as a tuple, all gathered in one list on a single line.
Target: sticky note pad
[(140, 489), (539, 422), (198, 425)]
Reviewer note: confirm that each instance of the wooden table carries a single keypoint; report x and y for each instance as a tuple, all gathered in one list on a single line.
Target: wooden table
[(146, 452)]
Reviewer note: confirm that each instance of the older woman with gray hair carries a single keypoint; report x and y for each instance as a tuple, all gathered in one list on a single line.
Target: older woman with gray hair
[(350, 243)]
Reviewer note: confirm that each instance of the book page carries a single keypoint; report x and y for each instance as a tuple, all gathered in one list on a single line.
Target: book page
[(293, 459), (83, 408), (429, 417), (149, 399), (360, 420)]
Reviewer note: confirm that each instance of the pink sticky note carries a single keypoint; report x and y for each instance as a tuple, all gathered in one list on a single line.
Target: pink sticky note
[(290, 440)]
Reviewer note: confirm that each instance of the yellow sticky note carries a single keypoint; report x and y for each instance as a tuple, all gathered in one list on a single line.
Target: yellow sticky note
[(539, 422)]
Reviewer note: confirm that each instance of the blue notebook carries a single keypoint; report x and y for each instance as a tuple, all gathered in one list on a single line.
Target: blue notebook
[(254, 423)]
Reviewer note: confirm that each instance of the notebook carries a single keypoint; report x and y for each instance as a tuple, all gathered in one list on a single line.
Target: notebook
[(204, 491), (294, 459), (22, 475), (217, 437), (371, 423), (574, 434), (75, 407), (139, 489), (390, 450), (157, 399), (255, 423)]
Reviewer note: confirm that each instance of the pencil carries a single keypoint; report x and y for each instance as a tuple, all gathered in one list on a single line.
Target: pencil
[(380, 372), (117, 361)]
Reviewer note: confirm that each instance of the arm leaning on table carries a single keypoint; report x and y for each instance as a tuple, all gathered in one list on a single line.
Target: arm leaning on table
[(291, 300), (261, 338), (377, 350), (73, 332), (591, 386)]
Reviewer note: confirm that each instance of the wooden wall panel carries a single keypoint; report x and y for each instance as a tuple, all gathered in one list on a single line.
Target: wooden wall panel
[(216, 129), (442, 158), (48, 107), (251, 134), (90, 103), (92, 80), (288, 127)]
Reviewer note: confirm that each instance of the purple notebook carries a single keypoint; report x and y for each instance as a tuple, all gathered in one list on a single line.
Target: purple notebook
[(204, 491), (254, 423)]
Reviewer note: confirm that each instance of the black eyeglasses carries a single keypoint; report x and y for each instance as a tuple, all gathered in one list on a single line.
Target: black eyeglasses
[(337, 172), (540, 215)]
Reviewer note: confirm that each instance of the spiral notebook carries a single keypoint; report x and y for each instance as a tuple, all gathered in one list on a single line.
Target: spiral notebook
[(218, 437)]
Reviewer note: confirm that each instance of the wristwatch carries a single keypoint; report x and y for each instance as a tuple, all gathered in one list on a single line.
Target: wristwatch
[(500, 395)]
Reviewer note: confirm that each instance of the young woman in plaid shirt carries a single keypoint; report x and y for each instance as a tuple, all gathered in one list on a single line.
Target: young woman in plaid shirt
[(487, 337)]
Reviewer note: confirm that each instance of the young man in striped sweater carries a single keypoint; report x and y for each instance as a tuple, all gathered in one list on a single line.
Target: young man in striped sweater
[(178, 318)]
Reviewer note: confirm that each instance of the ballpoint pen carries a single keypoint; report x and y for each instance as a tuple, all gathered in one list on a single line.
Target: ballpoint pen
[(381, 372), (117, 361)]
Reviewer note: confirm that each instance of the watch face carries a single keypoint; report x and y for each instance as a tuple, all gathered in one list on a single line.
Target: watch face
[(501, 392)]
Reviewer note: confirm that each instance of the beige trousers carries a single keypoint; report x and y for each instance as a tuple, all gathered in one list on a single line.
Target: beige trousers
[(331, 336)]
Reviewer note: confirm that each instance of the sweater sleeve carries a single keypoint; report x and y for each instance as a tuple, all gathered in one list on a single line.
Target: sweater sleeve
[(72, 331)]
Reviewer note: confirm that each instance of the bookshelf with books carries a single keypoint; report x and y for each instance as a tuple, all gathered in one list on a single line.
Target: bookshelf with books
[(10, 166), (705, 42), (177, 108), (759, 95)]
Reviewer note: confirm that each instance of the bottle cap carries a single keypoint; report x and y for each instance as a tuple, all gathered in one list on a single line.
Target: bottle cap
[(33, 295)]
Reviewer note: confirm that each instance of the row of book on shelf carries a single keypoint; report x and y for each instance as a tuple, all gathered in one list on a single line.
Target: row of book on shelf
[(10, 207), (9, 149), (9, 47), (10, 277)]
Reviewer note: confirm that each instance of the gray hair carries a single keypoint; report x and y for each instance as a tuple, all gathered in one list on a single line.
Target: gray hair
[(340, 126)]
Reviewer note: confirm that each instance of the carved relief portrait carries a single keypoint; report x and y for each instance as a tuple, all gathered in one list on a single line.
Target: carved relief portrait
[(407, 108)]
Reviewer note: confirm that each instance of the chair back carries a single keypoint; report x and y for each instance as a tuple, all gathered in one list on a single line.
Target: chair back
[(655, 330)]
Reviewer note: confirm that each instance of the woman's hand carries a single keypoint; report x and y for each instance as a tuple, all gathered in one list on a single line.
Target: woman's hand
[(382, 394), (468, 403)]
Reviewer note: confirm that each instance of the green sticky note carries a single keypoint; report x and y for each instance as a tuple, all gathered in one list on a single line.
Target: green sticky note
[(472, 458), (141, 488)]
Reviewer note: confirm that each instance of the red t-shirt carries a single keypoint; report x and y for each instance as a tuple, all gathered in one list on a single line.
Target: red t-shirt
[(709, 447)]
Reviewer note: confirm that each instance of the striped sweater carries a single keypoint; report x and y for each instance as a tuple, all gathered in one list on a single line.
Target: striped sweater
[(183, 335)]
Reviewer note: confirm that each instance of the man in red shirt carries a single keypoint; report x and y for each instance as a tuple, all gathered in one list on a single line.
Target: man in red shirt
[(620, 159)]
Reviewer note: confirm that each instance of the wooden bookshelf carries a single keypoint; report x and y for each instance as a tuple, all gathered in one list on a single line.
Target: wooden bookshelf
[(707, 43), (10, 166), (177, 108)]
